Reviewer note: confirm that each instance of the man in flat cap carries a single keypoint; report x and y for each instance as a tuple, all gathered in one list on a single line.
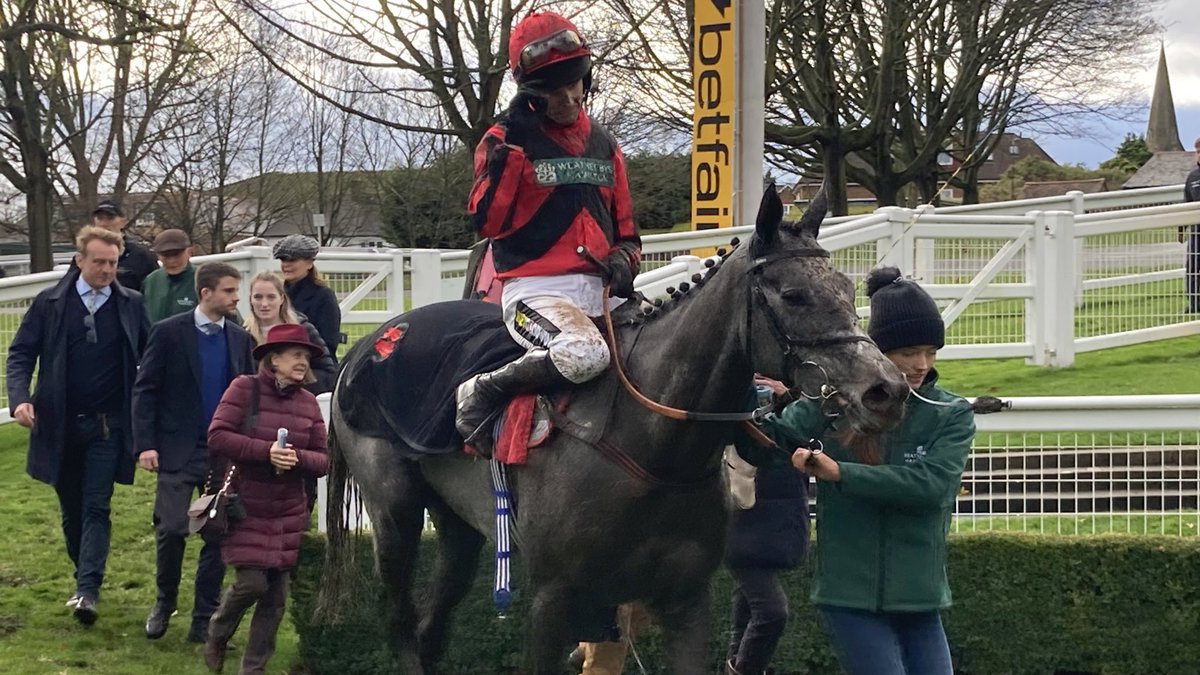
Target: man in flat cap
[(171, 289), (136, 260)]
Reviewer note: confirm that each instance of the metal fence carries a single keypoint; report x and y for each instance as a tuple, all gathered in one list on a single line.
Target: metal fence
[(1085, 465)]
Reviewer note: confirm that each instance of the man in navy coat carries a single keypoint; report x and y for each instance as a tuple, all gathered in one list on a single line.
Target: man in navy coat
[(85, 335), (190, 359)]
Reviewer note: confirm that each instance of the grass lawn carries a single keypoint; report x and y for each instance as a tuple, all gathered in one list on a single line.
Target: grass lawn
[(38, 634), (1164, 367)]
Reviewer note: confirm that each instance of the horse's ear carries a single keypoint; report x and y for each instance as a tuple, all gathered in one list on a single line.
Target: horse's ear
[(770, 214), (810, 222)]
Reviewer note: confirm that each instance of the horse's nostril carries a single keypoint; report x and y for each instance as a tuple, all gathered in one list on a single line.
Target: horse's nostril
[(880, 396)]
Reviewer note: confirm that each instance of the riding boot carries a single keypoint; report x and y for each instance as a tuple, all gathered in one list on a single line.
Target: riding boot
[(481, 396)]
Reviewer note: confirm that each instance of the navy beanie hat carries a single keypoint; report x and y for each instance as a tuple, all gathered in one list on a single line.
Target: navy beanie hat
[(902, 313)]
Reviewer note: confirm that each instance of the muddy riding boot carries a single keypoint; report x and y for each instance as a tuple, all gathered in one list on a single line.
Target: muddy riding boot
[(480, 397)]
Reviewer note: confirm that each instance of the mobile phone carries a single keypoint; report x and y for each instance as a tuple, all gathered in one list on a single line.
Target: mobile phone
[(281, 437)]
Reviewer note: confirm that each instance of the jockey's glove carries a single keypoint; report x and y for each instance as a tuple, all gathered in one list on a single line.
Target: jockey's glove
[(619, 268), (525, 113)]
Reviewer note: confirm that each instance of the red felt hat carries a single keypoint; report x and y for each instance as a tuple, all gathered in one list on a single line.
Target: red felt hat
[(287, 334)]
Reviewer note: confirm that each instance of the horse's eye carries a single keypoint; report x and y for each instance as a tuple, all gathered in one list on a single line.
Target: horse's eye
[(794, 296)]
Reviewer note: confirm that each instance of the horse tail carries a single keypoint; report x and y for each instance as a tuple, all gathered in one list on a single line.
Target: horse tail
[(341, 573)]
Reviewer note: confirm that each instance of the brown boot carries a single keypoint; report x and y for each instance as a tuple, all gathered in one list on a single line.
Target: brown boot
[(214, 655)]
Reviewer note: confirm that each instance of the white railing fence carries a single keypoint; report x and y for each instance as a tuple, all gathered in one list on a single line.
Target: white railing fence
[(1065, 465), (1016, 279)]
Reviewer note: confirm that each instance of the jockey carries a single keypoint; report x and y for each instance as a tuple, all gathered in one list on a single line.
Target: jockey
[(550, 192)]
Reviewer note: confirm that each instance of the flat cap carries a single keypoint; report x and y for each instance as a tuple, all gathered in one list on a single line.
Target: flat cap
[(296, 246), (171, 240)]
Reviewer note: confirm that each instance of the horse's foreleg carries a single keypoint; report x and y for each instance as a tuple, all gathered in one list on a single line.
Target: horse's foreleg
[(686, 626), (458, 560), (549, 631)]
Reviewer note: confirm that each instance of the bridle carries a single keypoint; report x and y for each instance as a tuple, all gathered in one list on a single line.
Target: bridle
[(792, 346)]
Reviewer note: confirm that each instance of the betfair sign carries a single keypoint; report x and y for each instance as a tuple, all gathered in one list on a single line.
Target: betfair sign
[(712, 121)]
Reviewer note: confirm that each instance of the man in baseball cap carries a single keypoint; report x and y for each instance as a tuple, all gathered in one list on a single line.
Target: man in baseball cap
[(171, 290)]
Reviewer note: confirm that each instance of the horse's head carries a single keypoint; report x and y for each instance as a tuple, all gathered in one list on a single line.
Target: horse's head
[(803, 325)]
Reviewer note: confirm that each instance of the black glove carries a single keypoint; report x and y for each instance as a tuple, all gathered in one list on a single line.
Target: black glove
[(618, 272), (524, 114)]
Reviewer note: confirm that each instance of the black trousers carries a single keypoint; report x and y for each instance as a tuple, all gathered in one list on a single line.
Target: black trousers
[(264, 589), (171, 500), (760, 612)]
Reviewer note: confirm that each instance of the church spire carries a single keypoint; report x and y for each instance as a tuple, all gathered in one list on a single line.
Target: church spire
[(1162, 131)]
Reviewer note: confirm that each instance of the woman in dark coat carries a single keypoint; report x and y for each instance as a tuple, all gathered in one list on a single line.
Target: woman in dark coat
[(308, 292), (769, 537), (264, 546)]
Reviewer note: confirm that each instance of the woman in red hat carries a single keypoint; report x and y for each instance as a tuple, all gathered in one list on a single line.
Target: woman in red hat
[(551, 193), (263, 546)]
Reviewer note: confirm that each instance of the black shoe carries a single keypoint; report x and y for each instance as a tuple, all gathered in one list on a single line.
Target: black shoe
[(198, 633), (159, 619), (85, 611)]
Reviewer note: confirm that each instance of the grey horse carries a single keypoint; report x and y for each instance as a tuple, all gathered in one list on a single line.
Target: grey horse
[(592, 532)]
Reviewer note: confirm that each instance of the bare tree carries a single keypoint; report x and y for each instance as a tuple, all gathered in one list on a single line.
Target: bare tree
[(39, 38)]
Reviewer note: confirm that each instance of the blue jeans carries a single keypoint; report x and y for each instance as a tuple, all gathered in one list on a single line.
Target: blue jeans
[(888, 643), (85, 488)]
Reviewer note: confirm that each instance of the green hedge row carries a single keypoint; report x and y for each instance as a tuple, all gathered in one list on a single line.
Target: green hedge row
[(1023, 604)]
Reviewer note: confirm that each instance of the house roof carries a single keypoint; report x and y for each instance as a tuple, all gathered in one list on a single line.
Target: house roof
[(1056, 188), (1010, 150), (1164, 168), (291, 198)]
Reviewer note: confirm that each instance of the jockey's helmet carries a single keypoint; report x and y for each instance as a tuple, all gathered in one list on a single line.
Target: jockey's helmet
[(546, 51)]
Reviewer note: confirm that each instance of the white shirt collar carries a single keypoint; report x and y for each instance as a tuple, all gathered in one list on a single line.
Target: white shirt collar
[(83, 289), (201, 319)]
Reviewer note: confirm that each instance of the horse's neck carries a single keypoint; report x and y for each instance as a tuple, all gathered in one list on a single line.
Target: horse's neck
[(692, 357)]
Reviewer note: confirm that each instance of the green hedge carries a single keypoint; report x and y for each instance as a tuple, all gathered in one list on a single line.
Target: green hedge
[(1023, 604)]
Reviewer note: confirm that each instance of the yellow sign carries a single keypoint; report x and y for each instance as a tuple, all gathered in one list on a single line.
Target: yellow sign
[(712, 119)]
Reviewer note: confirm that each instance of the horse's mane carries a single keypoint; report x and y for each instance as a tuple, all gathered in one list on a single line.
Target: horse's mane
[(659, 307)]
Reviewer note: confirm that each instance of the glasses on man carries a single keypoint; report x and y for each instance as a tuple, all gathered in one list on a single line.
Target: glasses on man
[(563, 41), (89, 322)]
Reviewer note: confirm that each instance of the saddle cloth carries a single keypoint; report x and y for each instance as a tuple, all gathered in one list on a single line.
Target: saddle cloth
[(399, 383)]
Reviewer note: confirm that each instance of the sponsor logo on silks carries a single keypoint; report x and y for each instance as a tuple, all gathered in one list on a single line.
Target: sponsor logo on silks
[(915, 455), (573, 170)]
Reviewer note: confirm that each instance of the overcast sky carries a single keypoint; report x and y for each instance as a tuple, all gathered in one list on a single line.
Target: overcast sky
[(1182, 40)]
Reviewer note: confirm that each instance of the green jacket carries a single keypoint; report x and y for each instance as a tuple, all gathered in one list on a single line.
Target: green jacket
[(168, 295), (881, 542)]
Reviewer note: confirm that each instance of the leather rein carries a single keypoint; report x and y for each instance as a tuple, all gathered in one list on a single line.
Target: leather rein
[(792, 347)]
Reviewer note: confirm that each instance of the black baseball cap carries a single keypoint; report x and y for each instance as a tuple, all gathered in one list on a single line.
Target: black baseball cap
[(109, 207)]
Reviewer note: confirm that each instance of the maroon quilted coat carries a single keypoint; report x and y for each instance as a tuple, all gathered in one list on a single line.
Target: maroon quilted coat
[(276, 505)]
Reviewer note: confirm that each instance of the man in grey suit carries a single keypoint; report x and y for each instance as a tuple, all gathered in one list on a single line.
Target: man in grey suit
[(190, 359)]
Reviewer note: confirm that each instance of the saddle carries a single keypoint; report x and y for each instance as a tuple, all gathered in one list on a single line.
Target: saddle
[(398, 384)]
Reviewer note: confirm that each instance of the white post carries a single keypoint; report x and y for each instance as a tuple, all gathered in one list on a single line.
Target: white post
[(395, 284), (897, 248), (1078, 208), (1058, 271), (924, 263), (426, 280), (1036, 270), (750, 54)]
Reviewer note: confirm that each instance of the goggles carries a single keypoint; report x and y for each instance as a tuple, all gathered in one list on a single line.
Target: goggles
[(536, 53)]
